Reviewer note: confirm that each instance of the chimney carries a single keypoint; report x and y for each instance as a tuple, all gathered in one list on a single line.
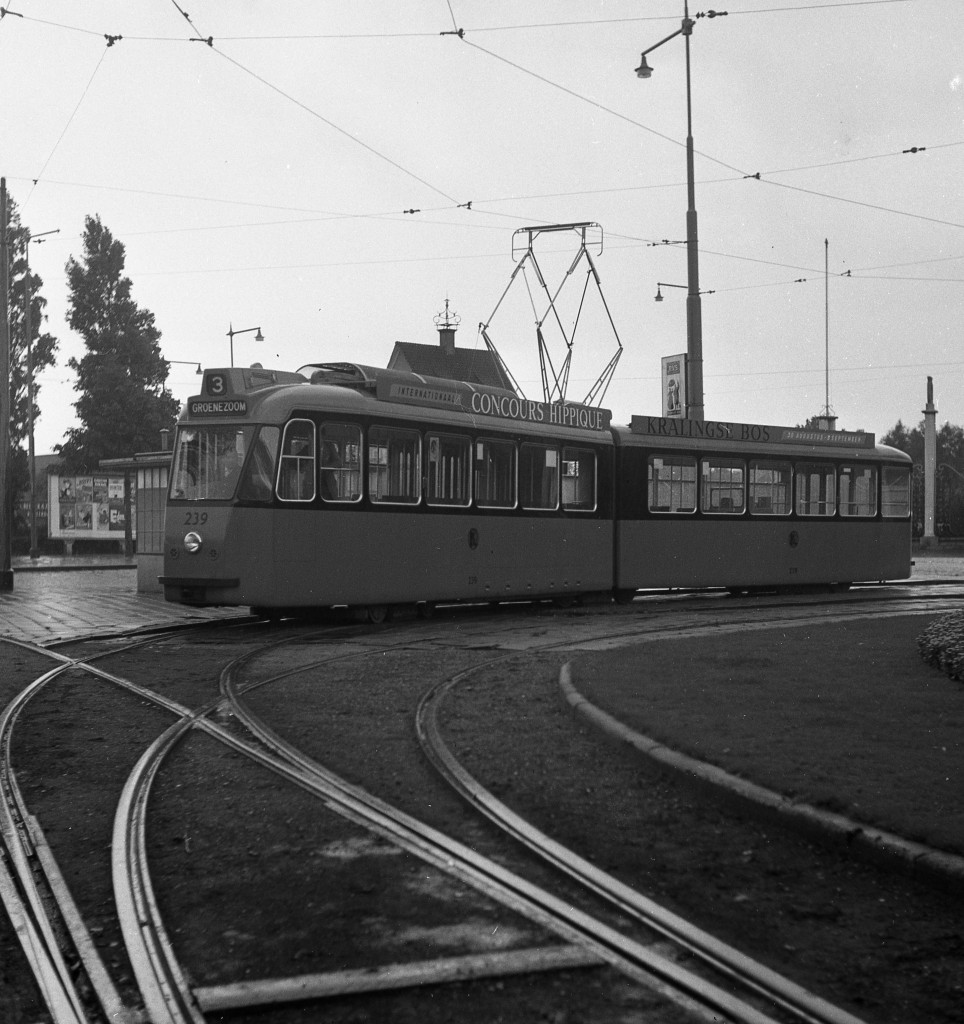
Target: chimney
[(165, 436), (447, 323)]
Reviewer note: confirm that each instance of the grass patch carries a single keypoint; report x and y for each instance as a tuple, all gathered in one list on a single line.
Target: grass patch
[(845, 716)]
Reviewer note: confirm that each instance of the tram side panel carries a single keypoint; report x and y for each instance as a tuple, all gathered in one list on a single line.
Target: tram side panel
[(365, 557), (667, 537), (747, 553)]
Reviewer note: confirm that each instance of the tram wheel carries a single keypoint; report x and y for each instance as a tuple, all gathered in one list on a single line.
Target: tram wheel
[(425, 609), (377, 614), (624, 596)]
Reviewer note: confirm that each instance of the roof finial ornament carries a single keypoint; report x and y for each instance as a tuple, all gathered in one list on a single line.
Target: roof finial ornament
[(447, 320)]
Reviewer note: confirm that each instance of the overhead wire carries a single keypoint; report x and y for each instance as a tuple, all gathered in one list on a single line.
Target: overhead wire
[(762, 176), (331, 124), (70, 121), (329, 214)]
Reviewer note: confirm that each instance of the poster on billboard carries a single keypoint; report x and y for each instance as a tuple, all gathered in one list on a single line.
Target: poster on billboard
[(673, 383), (88, 506)]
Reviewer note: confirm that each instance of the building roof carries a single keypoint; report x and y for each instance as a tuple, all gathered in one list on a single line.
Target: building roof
[(474, 366)]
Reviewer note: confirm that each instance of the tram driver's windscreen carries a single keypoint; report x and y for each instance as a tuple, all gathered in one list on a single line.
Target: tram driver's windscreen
[(207, 462)]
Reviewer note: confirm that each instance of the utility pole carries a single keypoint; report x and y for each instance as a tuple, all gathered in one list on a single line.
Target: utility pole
[(28, 330), (6, 568)]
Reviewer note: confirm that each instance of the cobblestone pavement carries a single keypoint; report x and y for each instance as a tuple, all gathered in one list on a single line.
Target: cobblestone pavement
[(50, 603), (59, 598)]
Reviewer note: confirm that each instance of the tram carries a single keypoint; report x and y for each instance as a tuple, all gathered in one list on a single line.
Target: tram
[(347, 485)]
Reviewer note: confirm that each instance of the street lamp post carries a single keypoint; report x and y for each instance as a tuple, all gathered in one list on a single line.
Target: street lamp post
[(28, 330), (694, 312), (232, 332), (187, 362)]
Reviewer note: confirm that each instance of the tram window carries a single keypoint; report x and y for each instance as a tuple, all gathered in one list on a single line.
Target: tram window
[(207, 462), (539, 476), (858, 490), (578, 479), (340, 465), (815, 489), (895, 492), (671, 483), (296, 474), (723, 489), (259, 472), (449, 461), (770, 484), (394, 466), (495, 474)]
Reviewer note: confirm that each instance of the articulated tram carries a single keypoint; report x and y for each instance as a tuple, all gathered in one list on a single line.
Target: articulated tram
[(346, 485)]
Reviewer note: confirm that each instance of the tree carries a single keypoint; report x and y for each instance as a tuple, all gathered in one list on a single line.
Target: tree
[(43, 349), (124, 403)]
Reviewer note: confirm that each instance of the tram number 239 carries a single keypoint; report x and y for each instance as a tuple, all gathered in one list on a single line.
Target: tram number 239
[(195, 518)]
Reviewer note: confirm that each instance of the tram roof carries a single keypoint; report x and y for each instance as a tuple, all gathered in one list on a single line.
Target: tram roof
[(722, 435), (234, 393)]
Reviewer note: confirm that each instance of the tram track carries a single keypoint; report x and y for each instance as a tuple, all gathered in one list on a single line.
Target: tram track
[(176, 995), (637, 960), (775, 989), (58, 947)]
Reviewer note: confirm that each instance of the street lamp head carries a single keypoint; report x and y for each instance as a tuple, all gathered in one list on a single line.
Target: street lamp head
[(259, 336), (659, 295), (644, 70), (199, 371)]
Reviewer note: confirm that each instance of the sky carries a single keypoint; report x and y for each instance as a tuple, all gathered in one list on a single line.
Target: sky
[(332, 171)]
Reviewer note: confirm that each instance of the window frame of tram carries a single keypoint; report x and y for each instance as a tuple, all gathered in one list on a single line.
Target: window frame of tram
[(722, 485), (217, 450), (296, 483), (578, 479), (496, 473), (857, 491), (394, 458), (770, 488), (895, 492), (340, 463), (257, 480), (539, 466), (669, 487), (815, 489), (448, 463)]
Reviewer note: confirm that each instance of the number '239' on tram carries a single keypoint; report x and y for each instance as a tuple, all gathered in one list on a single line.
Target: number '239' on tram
[(346, 485)]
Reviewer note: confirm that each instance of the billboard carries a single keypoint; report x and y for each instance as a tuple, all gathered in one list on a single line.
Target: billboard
[(673, 386), (88, 506)]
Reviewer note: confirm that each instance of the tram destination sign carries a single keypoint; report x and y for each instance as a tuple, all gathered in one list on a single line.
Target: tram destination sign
[(497, 405), (218, 407), (720, 430)]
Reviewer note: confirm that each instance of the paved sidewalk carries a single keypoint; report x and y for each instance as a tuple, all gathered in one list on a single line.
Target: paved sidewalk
[(60, 599)]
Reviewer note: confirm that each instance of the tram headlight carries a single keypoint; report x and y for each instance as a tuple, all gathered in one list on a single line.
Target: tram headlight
[(193, 542)]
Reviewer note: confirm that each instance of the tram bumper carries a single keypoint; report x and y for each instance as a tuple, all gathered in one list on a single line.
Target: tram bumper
[(195, 591)]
